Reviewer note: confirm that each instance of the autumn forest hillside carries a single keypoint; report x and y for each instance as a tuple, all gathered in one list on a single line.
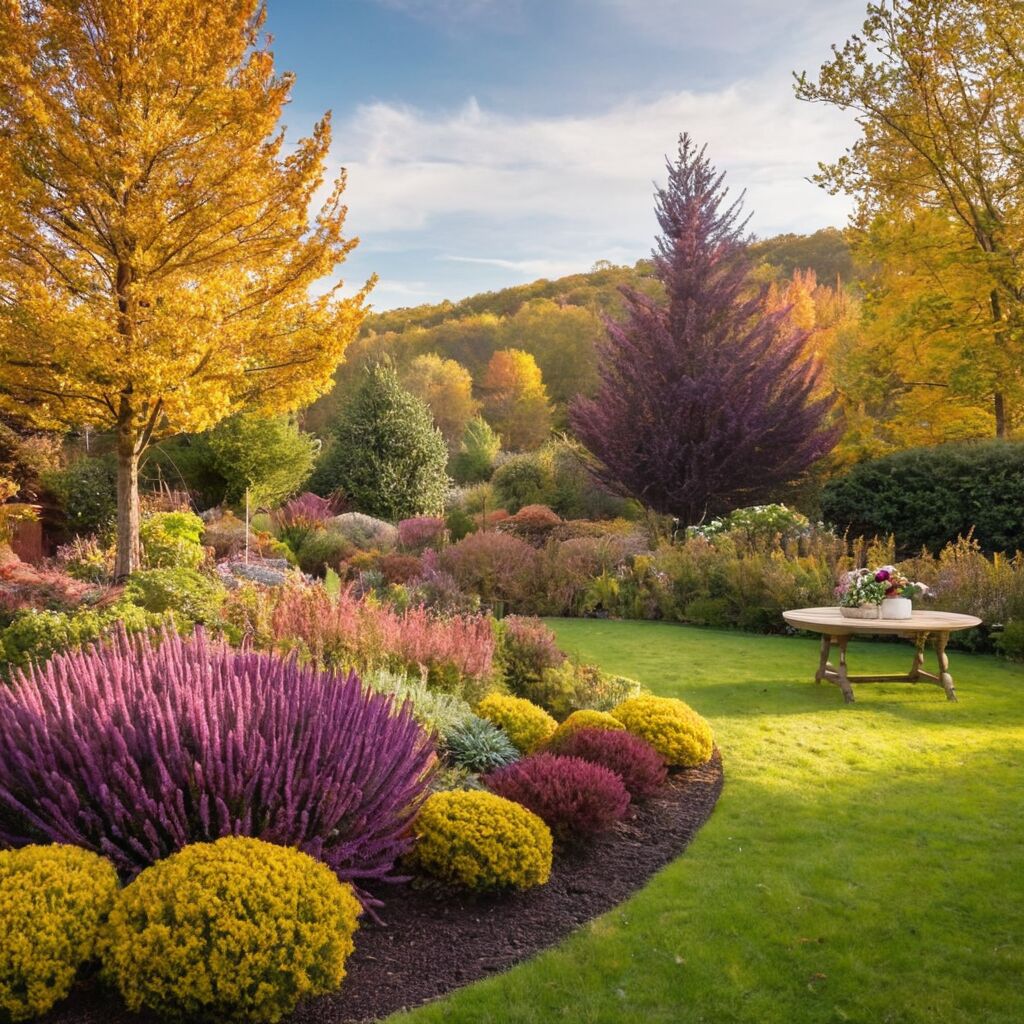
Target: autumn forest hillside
[(892, 394)]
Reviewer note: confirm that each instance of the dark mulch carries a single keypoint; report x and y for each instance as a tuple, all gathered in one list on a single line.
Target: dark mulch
[(432, 941)]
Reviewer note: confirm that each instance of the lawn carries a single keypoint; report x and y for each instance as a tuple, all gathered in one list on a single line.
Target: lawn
[(865, 863)]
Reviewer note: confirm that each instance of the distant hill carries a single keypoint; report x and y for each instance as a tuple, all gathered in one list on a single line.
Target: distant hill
[(826, 252), (558, 321)]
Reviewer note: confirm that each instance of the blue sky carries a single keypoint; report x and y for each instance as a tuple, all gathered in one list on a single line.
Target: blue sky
[(492, 142)]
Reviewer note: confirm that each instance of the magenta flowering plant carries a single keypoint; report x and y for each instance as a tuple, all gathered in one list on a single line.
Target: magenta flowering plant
[(139, 747), (898, 584)]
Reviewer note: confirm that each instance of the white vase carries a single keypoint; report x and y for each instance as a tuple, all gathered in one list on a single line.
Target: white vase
[(897, 608), (864, 611)]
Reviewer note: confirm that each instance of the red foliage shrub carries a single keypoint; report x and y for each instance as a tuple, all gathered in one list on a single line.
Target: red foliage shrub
[(533, 523), (344, 632), (25, 586), (496, 566), (535, 517), (576, 798), (641, 768), (489, 520), (397, 568), (421, 532)]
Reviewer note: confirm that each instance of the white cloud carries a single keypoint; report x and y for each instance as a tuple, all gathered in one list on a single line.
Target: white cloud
[(549, 195), (772, 30), (527, 268)]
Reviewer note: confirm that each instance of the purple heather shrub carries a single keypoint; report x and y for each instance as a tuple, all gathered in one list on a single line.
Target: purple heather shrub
[(307, 507), (576, 798), (297, 519), (142, 746), (421, 532)]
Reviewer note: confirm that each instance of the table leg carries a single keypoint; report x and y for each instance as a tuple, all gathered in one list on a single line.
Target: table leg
[(915, 671), (843, 680), (941, 639), (826, 648)]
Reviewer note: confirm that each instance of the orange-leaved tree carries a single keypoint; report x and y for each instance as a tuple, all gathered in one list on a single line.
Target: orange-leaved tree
[(159, 240), (516, 400)]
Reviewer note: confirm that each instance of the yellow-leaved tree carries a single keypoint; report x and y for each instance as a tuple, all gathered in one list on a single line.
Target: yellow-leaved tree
[(159, 239)]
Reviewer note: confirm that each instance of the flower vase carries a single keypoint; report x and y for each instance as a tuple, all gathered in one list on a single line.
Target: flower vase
[(862, 611), (897, 608)]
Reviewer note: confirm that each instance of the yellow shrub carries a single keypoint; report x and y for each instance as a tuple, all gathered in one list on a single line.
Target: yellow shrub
[(481, 841), (53, 900), (234, 930), (587, 720), (527, 725), (673, 728)]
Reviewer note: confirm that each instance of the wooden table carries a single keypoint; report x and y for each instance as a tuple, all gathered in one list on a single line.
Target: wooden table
[(836, 631)]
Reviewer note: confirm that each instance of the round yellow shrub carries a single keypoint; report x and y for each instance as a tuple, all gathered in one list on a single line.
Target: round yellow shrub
[(53, 900), (481, 841), (587, 720), (233, 930), (671, 726), (527, 725)]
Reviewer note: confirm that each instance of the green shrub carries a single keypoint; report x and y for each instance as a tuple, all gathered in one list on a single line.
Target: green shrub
[(388, 459), (481, 841), (86, 491), (526, 646), (435, 710), (236, 930), (575, 493), (268, 455), (34, 636), (479, 745), (26, 459), (479, 447), (322, 550), (524, 480), (86, 559), (190, 595), (451, 777), (171, 539), (363, 531), (1010, 641), (554, 689), (709, 611), (53, 902), (757, 523), (927, 497)]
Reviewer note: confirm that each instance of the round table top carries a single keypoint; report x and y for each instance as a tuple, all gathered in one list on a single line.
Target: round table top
[(829, 620)]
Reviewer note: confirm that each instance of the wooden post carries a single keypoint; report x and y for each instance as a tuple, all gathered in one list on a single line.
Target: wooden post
[(941, 639), (823, 666), (843, 676)]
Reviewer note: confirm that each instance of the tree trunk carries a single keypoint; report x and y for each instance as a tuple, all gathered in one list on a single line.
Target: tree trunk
[(129, 548), (998, 400), (999, 406)]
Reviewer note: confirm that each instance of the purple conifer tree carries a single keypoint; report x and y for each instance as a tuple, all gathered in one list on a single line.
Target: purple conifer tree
[(706, 399)]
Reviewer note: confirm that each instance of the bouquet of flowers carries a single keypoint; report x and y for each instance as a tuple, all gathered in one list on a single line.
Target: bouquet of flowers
[(860, 587), (870, 586), (898, 585)]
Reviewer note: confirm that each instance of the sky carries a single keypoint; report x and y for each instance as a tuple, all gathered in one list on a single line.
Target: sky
[(492, 142)]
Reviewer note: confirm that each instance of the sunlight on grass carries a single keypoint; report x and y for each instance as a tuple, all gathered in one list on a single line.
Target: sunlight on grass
[(864, 863)]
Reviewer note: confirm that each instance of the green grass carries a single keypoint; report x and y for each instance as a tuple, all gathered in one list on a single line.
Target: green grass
[(865, 863)]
